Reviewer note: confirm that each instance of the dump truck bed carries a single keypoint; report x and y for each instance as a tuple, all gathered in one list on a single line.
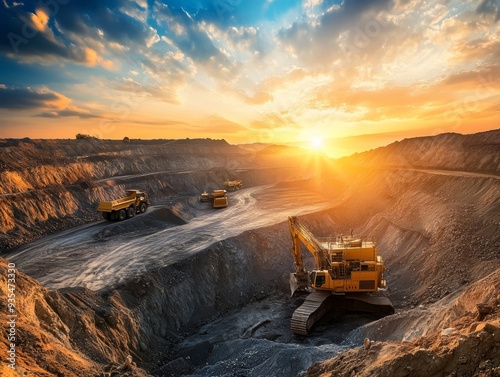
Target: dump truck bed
[(117, 204), (218, 193), (220, 202)]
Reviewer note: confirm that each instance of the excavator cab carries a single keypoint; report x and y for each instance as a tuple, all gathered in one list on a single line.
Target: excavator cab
[(318, 278)]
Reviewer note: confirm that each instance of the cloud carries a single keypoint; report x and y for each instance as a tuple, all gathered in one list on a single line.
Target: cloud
[(489, 8), (258, 98), (250, 40), (477, 50), (186, 34), (293, 75), (155, 123), (115, 21), (52, 104), (70, 112), (486, 77), (351, 26), (280, 64), (465, 94), (29, 98), (156, 90), (26, 35), (73, 31), (189, 37)]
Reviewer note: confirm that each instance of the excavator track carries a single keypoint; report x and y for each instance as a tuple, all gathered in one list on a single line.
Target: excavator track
[(313, 308), (318, 303), (372, 303)]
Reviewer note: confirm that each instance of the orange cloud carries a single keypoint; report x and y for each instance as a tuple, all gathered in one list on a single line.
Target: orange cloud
[(55, 100), (477, 50), (39, 19), (259, 98), (90, 57)]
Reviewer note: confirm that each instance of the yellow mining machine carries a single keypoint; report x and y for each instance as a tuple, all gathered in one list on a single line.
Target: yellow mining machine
[(348, 274), (205, 197), (120, 209), (234, 184), (217, 197)]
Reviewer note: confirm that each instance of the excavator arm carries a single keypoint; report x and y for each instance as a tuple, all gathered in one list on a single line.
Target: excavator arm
[(300, 235)]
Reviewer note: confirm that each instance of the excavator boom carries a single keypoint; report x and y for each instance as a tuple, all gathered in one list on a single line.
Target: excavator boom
[(301, 235)]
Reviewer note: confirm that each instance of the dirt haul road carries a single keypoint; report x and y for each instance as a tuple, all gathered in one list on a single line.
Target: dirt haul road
[(104, 254)]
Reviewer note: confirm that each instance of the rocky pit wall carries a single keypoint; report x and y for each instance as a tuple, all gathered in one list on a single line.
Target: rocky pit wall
[(449, 151), (437, 233)]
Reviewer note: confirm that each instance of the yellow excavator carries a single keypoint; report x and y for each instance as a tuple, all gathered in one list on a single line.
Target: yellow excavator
[(348, 274)]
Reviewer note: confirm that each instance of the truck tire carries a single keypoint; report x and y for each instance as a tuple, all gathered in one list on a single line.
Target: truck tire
[(121, 215), (130, 212), (106, 215), (143, 207)]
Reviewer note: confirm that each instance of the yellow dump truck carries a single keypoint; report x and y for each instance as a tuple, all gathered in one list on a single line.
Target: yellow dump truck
[(217, 197), (234, 184), (120, 209), (205, 197)]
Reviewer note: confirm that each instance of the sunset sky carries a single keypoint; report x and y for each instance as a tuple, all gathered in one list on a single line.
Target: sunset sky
[(348, 75)]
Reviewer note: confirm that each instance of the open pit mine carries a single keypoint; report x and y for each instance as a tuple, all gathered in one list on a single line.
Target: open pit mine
[(174, 258)]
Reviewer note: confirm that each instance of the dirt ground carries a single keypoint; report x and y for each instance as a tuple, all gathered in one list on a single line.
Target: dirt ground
[(105, 254), (188, 290)]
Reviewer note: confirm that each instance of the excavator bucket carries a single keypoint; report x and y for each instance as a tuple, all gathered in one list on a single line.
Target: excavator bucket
[(298, 282)]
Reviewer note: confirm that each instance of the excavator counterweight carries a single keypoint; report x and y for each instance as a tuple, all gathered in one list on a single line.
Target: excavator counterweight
[(348, 274)]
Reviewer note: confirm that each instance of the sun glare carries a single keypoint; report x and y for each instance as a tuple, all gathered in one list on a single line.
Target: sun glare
[(316, 142)]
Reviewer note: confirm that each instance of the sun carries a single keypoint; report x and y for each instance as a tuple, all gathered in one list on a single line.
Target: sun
[(316, 143)]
